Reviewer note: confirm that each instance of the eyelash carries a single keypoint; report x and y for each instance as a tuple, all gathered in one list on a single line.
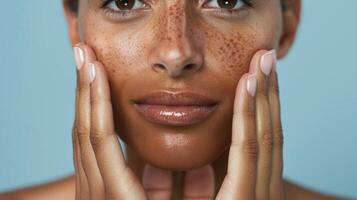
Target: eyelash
[(231, 12), (125, 13), (115, 13)]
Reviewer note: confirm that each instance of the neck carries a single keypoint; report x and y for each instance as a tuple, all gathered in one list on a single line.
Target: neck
[(219, 167)]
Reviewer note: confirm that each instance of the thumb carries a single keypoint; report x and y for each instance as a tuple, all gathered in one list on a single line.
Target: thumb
[(157, 183), (199, 184)]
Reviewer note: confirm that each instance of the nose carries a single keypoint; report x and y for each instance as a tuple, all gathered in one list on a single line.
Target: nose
[(175, 52)]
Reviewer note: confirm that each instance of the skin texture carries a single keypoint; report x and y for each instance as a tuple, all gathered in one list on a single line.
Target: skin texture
[(106, 176), (219, 50), (177, 45)]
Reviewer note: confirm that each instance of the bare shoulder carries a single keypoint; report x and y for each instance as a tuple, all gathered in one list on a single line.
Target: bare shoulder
[(65, 189), (56, 190), (294, 191)]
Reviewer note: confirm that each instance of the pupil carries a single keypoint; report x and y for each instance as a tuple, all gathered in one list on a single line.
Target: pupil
[(227, 4), (125, 4)]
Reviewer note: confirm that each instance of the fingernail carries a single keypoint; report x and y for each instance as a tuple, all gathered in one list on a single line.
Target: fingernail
[(91, 72), (252, 84), (267, 62), (78, 57)]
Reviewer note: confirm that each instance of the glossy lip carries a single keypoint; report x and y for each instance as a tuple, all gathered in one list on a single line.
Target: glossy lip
[(175, 109)]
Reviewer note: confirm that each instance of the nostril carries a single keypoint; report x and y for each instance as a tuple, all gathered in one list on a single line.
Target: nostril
[(161, 66), (189, 67)]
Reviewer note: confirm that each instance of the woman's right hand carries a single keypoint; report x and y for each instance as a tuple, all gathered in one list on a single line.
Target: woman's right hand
[(100, 169)]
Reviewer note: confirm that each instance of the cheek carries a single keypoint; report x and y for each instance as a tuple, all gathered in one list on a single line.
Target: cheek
[(228, 51), (106, 49), (118, 50), (231, 54)]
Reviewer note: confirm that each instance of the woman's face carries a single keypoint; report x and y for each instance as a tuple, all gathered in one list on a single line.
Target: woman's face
[(177, 46)]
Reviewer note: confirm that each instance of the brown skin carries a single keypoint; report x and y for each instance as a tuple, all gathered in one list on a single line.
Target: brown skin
[(222, 51), (219, 48)]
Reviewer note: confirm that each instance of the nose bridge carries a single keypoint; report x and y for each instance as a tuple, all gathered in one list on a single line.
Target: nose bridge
[(176, 24), (176, 51)]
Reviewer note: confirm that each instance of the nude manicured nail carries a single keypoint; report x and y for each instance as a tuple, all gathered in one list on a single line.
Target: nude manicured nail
[(91, 72), (78, 57), (252, 85), (267, 61)]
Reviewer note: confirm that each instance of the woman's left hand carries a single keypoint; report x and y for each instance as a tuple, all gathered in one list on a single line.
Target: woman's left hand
[(255, 162)]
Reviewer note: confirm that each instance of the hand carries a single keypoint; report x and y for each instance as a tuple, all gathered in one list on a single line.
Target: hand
[(100, 168), (101, 171), (255, 161)]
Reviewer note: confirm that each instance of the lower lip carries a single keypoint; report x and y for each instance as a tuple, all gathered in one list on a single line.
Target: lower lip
[(175, 115)]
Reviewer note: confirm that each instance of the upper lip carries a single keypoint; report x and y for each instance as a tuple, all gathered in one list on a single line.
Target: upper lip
[(175, 99)]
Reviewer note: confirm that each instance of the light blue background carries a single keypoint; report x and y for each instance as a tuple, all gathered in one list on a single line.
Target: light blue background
[(317, 81)]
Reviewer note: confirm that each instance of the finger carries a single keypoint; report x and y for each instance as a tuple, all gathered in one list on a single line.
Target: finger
[(199, 184), (119, 180), (263, 121), (76, 153), (80, 177), (82, 124), (82, 189), (239, 182), (157, 183), (276, 183)]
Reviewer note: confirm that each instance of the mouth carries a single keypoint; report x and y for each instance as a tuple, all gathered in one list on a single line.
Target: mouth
[(175, 109)]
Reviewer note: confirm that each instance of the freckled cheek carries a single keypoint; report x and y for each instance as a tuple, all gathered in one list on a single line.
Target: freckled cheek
[(117, 59), (232, 54)]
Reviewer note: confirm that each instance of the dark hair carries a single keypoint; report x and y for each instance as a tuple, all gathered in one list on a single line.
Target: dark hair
[(72, 5)]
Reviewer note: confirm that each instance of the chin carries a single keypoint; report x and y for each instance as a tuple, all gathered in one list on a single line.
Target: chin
[(177, 148), (178, 151)]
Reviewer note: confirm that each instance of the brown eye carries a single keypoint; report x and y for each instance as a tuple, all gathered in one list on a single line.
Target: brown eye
[(227, 4), (125, 4)]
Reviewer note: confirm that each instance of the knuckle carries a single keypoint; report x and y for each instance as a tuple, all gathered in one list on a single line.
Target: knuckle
[(267, 141), (278, 137), (96, 138), (250, 148), (80, 130), (82, 88)]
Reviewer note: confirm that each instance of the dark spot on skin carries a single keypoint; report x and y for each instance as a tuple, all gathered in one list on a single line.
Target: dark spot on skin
[(230, 50), (127, 50), (175, 17), (108, 56)]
